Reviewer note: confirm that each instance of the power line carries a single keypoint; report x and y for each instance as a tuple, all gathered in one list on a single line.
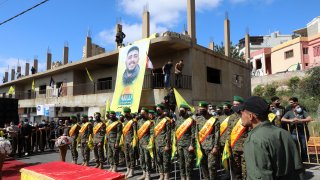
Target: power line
[(23, 12)]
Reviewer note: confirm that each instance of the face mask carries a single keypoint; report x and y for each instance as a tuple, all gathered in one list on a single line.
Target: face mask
[(203, 111), (159, 112), (299, 110), (235, 108), (277, 104), (182, 113)]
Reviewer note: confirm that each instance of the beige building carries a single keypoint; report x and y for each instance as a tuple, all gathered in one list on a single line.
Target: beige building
[(206, 76)]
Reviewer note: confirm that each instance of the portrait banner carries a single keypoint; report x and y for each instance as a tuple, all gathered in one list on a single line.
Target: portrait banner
[(130, 75)]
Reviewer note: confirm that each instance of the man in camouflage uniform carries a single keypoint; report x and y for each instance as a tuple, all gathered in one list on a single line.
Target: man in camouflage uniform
[(130, 126), (238, 164), (143, 144), (209, 141), (99, 131), (74, 133), (114, 132), (162, 135), (85, 131), (186, 144)]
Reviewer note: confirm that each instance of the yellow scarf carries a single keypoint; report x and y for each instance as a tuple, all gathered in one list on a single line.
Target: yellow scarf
[(183, 128), (206, 129), (111, 126), (73, 129), (97, 127), (84, 128), (159, 127), (144, 128), (127, 127), (223, 126), (236, 133)]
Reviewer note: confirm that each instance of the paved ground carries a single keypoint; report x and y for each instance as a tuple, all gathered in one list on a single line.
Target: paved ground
[(312, 171)]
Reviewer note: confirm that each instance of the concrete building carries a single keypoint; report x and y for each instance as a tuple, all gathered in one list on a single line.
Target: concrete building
[(206, 76)]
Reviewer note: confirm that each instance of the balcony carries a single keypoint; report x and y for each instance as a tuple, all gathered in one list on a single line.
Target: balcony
[(151, 81)]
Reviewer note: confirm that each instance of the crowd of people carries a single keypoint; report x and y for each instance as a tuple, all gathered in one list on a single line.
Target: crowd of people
[(266, 140)]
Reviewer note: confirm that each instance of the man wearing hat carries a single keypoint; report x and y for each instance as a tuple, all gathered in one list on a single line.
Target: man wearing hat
[(74, 133), (208, 132), (162, 135), (114, 132), (129, 132), (236, 135), (185, 131), (99, 131), (145, 130), (85, 132), (270, 152)]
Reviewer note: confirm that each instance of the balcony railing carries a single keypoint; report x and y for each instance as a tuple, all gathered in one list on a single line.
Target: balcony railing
[(151, 81)]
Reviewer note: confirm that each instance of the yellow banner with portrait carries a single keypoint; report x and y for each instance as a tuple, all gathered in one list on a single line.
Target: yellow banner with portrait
[(130, 74)]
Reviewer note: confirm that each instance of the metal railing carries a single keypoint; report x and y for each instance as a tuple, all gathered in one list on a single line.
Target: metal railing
[(156, 81)]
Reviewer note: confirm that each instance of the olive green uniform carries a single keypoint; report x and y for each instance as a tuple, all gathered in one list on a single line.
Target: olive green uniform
[(98, 141), (128, 139), (143, 146), (186, 158), (113, 138), (161, 141), (84, 138), (209, 161), (74, 151)]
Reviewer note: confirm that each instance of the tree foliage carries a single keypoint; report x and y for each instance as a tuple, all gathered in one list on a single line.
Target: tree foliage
[(234, 51)]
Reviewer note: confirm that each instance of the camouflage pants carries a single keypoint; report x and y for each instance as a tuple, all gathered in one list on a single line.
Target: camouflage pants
[(98, 153), (208, 165), (74, 151), (129, 155), (238, 165), (113, 154), (186, 161), (163, 160), (145, 159), (85, 151)]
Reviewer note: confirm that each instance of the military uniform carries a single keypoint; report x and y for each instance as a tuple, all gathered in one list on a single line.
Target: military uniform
[(74, 151), (113, 138), (162, 140), (98, 141), (209, 160), (84, 139), (128, 143), (186, 157)]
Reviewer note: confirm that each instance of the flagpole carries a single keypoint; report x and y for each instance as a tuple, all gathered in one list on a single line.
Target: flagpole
[(230, 169)]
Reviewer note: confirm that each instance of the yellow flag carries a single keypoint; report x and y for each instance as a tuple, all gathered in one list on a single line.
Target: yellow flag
[(174, 146), (226, 155), (271, 117), (151, 145), (33, 88), (135, 139), (107, 105), (11, 90), (180, 100), (199, 154), (90, 142), (89, 75)]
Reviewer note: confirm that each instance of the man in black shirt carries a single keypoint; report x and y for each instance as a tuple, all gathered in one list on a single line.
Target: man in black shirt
[(166, 69)]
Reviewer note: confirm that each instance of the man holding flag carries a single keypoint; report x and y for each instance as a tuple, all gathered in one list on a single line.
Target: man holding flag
[(208, 132), (86, 140), (185, 140), (99, 131), (74, 133)]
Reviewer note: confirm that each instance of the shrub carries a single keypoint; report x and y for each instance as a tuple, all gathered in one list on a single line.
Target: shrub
[(294, 83), (258, 91)]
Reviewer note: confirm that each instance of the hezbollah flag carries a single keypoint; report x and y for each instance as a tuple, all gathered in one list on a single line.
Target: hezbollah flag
[(226, 155), (130, 74), (11, 90), (180, 100)]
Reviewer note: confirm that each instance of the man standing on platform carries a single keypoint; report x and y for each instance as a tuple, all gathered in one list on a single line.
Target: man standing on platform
[(99, 131), (145, 130), (74, 133), (114, 132), (208, 131), (85, 134), (162, 135), (129, 132), (185, 139), (236, 135)]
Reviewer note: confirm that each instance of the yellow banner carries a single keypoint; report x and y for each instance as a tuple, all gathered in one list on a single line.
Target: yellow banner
[(236, 133), (180, 100), (223, 126), (127, 127), (144, 128), (160, 127), (183, 128), (206, 129), (111, 126), (130, 75)]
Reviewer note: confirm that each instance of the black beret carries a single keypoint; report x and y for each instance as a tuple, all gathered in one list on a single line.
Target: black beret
[(256, 105)]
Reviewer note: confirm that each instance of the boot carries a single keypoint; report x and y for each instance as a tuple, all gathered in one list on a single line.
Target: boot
[(111, 167), (97, 165), (128, 170), (188, 178), (143, 176), (147, 176), (161, 176), (101, 166), (166, 176), (183, 178), (114, 169), (82, 163), (130, 174)]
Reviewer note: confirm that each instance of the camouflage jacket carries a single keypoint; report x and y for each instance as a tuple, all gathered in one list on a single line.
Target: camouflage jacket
[(188, 138), (231, 123), (115, 133), (144, 141), (164, 137), (212, 140), (99, 136), (129, 137), (85, 136)]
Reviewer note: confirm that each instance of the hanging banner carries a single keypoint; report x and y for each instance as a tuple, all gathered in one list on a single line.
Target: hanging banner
[(130, 75)]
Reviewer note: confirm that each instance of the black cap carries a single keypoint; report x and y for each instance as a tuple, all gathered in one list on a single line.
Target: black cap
[(256, 105)]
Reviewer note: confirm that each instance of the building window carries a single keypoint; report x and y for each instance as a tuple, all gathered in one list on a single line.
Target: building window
[(42, 89), (213, 75), (306, 64), (104, 83), (305, 50), (288, 54), (237, 80), (258, 64), (316, 51)]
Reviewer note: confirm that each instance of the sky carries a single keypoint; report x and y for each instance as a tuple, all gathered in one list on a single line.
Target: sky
[(57, 22)]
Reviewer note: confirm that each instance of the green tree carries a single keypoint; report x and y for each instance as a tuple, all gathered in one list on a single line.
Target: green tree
[(294, 83), (311, 84), (234, 51), (270, 90), (258, 91)]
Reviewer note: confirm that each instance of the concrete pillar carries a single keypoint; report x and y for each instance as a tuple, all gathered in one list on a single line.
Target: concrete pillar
[(88, 47), (227, 36), (19, 69), (49, 60), (65, 54), (211, 45), (35, 64), (191, 8), (145, 23), (247, 46), (27, 69), (6, 76), (13, 73)]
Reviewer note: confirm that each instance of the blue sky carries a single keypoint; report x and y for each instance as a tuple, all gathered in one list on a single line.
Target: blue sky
[(59, 21)]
